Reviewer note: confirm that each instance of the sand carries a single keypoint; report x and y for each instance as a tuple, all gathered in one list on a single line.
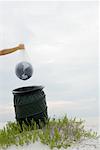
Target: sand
[(91, 144), (87, 144)]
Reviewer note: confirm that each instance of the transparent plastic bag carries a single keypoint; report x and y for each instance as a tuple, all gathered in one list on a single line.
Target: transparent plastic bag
[(24, 69)]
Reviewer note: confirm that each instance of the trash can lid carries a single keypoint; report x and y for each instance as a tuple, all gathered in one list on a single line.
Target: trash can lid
[(27, 89)]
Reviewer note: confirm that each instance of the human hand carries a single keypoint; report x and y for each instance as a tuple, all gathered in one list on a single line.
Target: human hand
[(21, 46)]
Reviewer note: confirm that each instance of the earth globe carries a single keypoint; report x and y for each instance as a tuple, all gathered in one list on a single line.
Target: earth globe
[(24, 70)]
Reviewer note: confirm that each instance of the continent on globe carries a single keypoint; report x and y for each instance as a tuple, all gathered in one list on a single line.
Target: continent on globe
[(24, 70)]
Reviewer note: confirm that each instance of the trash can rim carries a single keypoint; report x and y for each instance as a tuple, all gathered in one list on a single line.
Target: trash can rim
[(27, 89)]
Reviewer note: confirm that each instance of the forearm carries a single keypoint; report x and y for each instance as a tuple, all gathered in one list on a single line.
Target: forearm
[(11, 50), (8, 51)]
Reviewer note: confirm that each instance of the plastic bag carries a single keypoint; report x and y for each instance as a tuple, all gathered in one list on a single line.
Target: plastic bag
[(24, 69)]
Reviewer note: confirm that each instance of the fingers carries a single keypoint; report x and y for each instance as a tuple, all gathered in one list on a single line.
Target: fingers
[(21, 46)]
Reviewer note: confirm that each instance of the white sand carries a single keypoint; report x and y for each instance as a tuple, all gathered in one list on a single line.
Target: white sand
[(88, 144), (91, 144)]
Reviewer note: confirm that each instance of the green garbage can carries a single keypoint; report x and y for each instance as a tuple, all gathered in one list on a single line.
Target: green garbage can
[(30, 103)]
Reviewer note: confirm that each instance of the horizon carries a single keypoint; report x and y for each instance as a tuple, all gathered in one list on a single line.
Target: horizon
[(61, 42)]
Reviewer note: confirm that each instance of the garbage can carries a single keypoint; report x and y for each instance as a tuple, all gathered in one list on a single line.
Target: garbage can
[(30, 103)]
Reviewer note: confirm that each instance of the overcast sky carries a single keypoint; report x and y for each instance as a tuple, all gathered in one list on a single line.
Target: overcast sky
[(61, 41)]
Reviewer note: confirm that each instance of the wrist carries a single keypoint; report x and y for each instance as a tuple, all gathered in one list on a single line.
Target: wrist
[(17, 47)]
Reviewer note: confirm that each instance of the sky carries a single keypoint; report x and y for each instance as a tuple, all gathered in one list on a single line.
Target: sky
[(61, 43)]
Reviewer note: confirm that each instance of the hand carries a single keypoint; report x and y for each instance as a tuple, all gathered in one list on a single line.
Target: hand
[(21, 46)]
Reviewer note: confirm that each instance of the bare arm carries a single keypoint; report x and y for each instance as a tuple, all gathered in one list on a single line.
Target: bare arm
[(11, 50)]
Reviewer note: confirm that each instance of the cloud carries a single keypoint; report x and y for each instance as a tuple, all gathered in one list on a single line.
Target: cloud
[(6, 109), (72, 109), (80, 108), (61, 40)]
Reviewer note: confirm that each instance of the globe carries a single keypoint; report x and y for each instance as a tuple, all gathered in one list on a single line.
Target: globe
[(24, 70)]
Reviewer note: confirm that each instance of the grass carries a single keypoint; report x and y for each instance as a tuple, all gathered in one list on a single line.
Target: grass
[(58, 133)]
